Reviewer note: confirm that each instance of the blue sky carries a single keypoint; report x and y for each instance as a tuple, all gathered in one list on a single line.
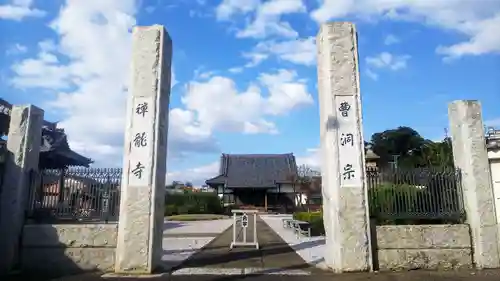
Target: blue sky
[(245, 70)]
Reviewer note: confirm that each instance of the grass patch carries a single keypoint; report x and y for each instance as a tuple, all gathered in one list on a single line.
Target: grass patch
[(197, 217)]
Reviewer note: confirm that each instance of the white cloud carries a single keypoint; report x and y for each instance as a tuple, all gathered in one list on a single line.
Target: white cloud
[(267, 16), (388, 61), (391, 39), (236, 69), (218, 104), (19, 9), (16, 49), (88, 76), (312, 159), (228, 8), (196, 175), (371, 74), (478, 22), (87, 72), (298, 51), (255, 58)]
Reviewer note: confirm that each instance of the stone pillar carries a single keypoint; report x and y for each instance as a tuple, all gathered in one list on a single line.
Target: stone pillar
[(23, 146), (343, 169), (471, 157), (140, 229)]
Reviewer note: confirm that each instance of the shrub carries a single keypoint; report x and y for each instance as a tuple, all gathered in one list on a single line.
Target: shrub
[(394, 203), (170, 210), (315, 219), (192, 203)]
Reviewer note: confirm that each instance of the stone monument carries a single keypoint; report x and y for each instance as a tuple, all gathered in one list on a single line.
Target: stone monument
[(471, 157), (345, 204), (23, 146), (140, 230)]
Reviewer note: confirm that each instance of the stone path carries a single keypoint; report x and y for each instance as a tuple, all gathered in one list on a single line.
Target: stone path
[(310, 249), (467, 275), (274, 257), (183, 239)]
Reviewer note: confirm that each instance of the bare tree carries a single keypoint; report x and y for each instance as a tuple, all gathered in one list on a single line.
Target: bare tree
[(306, 182)]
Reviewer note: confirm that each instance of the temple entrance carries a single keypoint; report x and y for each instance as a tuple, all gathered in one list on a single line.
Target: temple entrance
[(250, 197)]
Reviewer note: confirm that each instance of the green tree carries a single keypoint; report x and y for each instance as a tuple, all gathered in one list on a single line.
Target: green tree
[(437, 154), (402, 143)]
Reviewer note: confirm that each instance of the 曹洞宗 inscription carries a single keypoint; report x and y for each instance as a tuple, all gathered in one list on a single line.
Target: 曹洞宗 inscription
[(349, 142), (141, 141)]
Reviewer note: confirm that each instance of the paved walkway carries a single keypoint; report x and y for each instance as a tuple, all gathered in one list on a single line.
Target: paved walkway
[(485, 275), (182, 239), (273, 256)]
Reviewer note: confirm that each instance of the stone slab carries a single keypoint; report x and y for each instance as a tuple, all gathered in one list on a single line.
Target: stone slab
[(455, 236), (70, 236), (433, 259), (60, 261)]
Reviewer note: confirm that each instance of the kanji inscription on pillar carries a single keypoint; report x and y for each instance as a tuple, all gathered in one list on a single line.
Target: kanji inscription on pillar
[(140, 142), (349, 142)]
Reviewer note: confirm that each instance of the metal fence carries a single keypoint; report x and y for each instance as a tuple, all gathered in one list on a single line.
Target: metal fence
[(74, 195), (415, 196)]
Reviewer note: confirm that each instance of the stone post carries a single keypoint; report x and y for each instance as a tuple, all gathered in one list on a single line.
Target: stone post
[(140, 229), (471, 157), (345, 203), (23, 147)]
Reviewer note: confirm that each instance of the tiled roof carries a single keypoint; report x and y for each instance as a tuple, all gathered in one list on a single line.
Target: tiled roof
[(255, 170)]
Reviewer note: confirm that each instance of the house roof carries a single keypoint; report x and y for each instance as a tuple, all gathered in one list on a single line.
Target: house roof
[(255, 170)]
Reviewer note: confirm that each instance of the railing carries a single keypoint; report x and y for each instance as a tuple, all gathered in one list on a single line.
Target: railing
[(415, 196), (74, 195)]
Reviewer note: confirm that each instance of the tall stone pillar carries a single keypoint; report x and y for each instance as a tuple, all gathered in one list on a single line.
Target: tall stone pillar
[(471, 157), (140, 229), (23, 146), (343, 169)]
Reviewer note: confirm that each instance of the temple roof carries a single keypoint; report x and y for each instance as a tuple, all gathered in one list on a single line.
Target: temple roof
[(255, 170), (54, 151)]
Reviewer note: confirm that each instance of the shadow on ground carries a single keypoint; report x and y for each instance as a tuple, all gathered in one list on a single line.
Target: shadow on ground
[(172, 224), (273, 252)]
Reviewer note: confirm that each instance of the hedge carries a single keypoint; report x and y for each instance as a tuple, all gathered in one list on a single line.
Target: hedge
[(315, 219), (193, 203)]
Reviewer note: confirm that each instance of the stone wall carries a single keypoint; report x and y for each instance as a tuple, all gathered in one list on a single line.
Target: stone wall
[(68, 248), (424, 247)]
